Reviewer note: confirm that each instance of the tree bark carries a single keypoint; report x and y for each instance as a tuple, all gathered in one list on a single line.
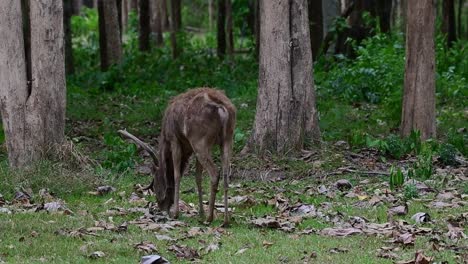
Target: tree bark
[(89, 3), (67, 13), (459, 18), (384, 11), (134, 5), (331, 9), (144, 26), (229, 34), (124, 16), (109, 34), (210, 14), (221, 29), (156, 21), (448, 22), (173, 25), (166, 26), (176, 13), (119, 17), (76, 7), (33, 113), (418, 111), (286, 117), (316, 26)]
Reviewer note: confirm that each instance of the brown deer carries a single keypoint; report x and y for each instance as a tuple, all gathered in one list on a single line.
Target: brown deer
[(193, 123)]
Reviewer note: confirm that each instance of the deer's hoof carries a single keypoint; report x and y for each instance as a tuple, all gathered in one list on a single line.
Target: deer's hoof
[(174, 213)]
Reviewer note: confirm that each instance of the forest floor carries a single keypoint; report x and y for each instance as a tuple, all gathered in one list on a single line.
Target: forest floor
[(340, 209)]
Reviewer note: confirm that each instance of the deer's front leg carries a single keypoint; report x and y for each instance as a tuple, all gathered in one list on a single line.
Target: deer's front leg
[(176, 159)]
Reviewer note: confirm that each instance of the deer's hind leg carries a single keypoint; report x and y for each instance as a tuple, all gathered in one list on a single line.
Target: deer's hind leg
[(199, 180)]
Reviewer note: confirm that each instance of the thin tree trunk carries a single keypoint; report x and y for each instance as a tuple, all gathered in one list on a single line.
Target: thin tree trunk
[(119, 16), (89, 3), (448, 22), (156, 21), (109, 34), (134, 5), (67, 13), (384, 11), (459, 24), (165, 16), (124, 16), (33, 114), (210, 15), (331, 9), (419, 89), (76, 7), (286, 117), (229, 34), (403, 7), (176, 12), (144, 25), (316, 26), (221, 35), (173, 26)]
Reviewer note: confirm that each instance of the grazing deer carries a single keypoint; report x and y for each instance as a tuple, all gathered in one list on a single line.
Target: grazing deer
[(193, 123)]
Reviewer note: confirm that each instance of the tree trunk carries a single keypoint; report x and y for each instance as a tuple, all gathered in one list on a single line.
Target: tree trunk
[(119, 17), (144, 26), (165, 16), (403, 7), (76, 7), (156, 21), (384, 11), (89, 3), (134, 5), (257, 28), (229, 34), (316, 26), (67, 13), (109, 34), (286, 116), (176, 13), (124, 16), (33, 113), (459, 22), (448, 22), (331, 9), (210, 14), (173, 26), (221, 35), (419, 89)]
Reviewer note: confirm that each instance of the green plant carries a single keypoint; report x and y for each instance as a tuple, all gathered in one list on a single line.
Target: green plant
[(119, 155), (423, 167), (396, 178), (447, 154), (411, 191)]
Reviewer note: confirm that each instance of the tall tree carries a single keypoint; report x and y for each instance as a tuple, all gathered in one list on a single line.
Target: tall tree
[(403, 6), (32, 78), (418, 111), (316, 26), (176, 10), (67, 13), (76, 7), (221, 29), (89, 3), (448, 22), (173, 21), (384, 12), (133, 5), (460, 12), (165, 16), (124, 16), (156, 21), (286, 116), (210, 14), (109, 34), (144, 26), (229, 33)]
